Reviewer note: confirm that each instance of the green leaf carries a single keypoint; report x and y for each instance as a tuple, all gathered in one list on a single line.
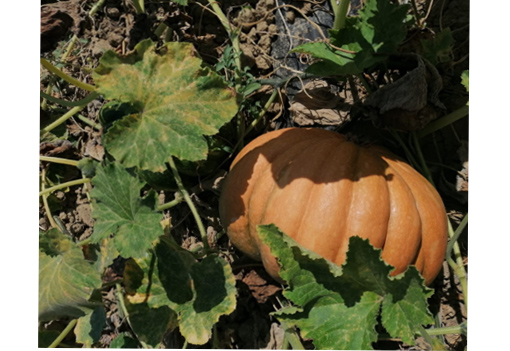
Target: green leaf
[(438, 49), (380, 28), (119, 209), (174, 102), (465, 79), (123, 341), (89, 327), (200, 292), (66, 279), (338, 307), (150, 324)]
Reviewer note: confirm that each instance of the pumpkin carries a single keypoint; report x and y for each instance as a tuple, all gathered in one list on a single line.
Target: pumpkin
[(320, 189)]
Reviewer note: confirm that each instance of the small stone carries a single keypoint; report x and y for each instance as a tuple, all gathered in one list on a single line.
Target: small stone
[(113, 13)]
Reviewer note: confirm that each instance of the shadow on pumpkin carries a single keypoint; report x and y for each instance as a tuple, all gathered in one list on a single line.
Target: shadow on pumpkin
[(320, 189)]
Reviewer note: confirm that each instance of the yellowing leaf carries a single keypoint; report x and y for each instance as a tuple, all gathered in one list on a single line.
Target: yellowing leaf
[(66, 279), (175, 102)]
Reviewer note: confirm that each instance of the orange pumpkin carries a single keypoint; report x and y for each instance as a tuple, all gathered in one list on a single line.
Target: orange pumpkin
[(320, 189)]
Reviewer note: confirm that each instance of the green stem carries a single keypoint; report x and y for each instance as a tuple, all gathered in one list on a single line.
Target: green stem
[(435, 343), (292, 338), (364, 82), (124, 311), (340, 8), (90, 122), (66, 77), (263, 112), (45, 200), (96, 7), (139, 6), (444, 121), (160, 29), (62, 119), (64, 57), (64, 333), (178, 199), (421, 159), (458, 265), (408, 153), (66, 103), (456, 235), (64, 185), (455, 329), (63, 161), (190, 203)]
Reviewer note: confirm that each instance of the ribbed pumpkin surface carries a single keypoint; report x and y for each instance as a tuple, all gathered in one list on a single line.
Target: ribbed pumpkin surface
[(320, 189)]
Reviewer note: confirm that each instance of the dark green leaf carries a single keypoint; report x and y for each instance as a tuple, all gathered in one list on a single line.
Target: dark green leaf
[(122, 341), (88, 328), (438, 49), (338, 307), (198, 291), (379, 29), (150, 324)]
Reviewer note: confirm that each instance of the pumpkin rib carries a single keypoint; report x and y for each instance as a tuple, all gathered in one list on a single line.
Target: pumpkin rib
[(313, 188), (250, 156), (432, 250), (369, 209), (403, 238), (257, 217)]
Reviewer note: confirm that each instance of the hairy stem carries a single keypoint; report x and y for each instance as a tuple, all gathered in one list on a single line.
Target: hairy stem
[(190, 203), (340, 8)]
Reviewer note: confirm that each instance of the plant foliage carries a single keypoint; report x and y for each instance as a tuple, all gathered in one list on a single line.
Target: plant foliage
[(338, 307)]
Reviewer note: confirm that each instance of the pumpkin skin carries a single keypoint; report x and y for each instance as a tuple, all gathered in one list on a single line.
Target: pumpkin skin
[(320, 189)]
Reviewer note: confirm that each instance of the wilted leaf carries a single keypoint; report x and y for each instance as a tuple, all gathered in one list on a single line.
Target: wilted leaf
[(119, 209), (338, 307), (66, 279), (198, 291), (88, 328), (174, 102)]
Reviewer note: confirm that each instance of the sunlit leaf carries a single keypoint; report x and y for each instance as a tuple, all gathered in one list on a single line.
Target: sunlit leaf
[(338, 307), (119, 209), (174, 101)]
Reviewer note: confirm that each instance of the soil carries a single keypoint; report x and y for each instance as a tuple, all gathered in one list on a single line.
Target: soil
[(266, 28)]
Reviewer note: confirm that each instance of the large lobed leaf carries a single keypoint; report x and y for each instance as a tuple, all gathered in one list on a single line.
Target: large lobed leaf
[(338, 307), (66, 279), (175, 102), (118, 208), (200, 292), (379, 28)]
